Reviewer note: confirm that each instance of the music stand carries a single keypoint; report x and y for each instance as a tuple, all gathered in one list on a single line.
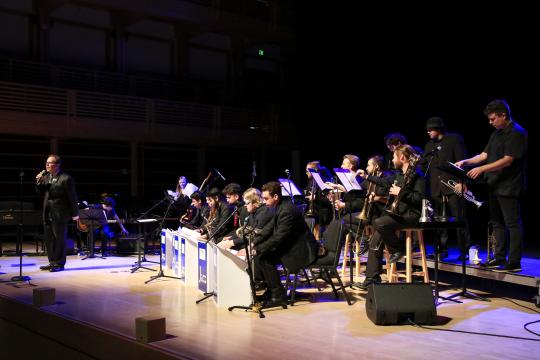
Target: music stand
[(160, 272), (92, 215), (461, 175), (141, 257)]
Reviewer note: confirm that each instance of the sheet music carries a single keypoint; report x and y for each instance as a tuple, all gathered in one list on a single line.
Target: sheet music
[(348, 179), (318, 180), (287, 186), (189, 189)]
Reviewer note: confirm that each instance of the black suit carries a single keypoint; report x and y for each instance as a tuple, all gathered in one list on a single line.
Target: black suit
[(287, 240), (59, 207)]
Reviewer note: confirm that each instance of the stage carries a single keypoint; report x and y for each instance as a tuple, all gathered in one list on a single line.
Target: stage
[(97, 301)]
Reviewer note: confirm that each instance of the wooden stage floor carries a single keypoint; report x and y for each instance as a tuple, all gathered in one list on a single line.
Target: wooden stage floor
[(104, 294)]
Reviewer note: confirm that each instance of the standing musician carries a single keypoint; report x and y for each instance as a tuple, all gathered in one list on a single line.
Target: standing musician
[(504, 159), (442, 148), (408, 188), (59, 207)]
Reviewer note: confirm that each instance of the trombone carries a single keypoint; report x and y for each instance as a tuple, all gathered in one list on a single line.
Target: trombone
[(467, 195)]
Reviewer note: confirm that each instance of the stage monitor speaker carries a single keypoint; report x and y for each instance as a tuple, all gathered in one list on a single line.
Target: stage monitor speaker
[(128, 245), (390, 304)]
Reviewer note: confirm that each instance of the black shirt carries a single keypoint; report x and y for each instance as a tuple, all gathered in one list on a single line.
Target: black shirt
[(453, 150), (511, 141)]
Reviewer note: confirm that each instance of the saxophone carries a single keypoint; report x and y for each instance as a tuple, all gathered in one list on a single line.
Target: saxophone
[(407, 178)]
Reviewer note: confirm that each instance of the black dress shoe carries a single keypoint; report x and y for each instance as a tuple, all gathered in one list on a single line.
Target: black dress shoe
[(56, 268), (275, 302), (508, 268), (395, 257), (46, 267), (493, 263), (364, 285)]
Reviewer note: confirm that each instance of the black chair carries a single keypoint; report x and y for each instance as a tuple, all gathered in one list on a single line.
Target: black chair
[(327, 265)]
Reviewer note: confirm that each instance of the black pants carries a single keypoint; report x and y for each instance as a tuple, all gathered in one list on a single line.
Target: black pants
[(505, 217), (266, 267), (455, 208), (55, 241), (385, 234)]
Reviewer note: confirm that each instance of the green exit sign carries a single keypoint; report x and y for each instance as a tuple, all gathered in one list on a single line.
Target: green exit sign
[(261, 52)]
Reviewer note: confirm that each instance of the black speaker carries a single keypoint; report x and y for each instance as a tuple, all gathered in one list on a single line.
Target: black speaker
[(128, 245), (390, 304)]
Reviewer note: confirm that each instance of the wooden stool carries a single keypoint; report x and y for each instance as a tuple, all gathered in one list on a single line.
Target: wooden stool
[(368, 231), (391, 269)]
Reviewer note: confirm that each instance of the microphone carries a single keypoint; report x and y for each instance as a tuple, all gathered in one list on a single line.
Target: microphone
[(434, 151), (221, 176), (254, 172), (40, 176), (288, 172)]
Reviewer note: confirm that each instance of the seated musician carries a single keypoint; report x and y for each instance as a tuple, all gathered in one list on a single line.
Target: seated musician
[(285, 239), (407, 186), (181, 200), (258, 215), (319, 207), (105, 231), (352, 201), (219, 221), (194, 216), (233, 195)]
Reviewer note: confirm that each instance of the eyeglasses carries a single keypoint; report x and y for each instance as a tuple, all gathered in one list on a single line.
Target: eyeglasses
[(50, 163)]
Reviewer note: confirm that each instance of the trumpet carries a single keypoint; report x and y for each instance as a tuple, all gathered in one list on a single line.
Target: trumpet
[(467, 195)]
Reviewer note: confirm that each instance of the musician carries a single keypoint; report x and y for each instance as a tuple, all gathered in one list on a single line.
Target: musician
[(257, 215), (59, 207), (377, 198), (181, 200), (319, 207), (219, 221), (392, 141), (442, 148), (196, 213), (504, 161), (233, 195), (104, 230), (352, 201), (408, 211), (286, 240)]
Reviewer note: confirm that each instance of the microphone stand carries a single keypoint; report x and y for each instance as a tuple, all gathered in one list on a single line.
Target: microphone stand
[(20, 232), (255, 306), (160, 272)]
